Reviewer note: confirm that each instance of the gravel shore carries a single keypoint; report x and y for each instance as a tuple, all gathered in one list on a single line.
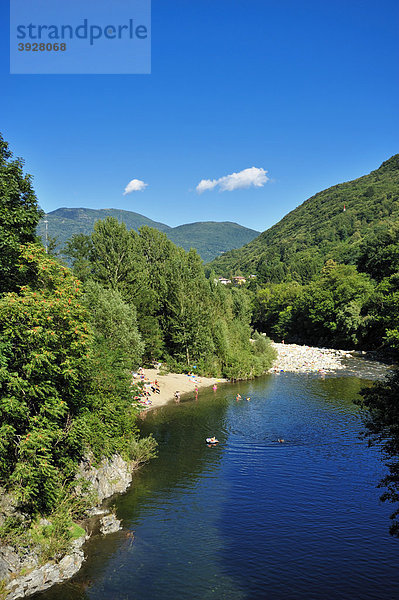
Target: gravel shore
[(307, 359)]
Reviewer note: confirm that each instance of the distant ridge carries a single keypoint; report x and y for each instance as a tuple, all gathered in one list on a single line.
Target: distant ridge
[(209, 238), (334, 223)]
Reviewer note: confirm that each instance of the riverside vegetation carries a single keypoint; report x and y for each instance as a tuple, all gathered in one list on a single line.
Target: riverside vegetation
[(69, 340)]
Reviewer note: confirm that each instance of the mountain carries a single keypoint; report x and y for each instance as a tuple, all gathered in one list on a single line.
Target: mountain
[(209, 238), (338, 223)]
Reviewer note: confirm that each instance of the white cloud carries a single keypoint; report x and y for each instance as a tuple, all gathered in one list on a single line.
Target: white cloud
[(235, 181), (135, 186)]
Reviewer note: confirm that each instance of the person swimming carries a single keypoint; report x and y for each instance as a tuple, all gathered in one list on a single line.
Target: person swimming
[(212, 440)]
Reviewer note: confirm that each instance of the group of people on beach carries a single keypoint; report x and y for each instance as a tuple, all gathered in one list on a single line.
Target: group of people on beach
[(147, 387)]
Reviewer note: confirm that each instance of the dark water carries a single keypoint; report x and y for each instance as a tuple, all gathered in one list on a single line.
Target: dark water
[(251, 518)]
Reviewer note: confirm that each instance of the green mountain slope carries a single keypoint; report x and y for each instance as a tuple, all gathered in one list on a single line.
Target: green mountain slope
[(64, 222), (336, 223), (209, 238)]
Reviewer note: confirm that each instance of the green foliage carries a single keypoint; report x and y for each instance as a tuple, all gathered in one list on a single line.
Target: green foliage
[(49, 539), (383, 315), (111, 253), (19, 215), (381, 419), (45, 347), (78, 249), (64, 380), (114, 323), (379, 253), (183, 318), (328, 311), (65, 356)]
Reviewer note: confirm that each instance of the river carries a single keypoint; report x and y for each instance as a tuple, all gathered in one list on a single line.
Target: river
[(251, 518)]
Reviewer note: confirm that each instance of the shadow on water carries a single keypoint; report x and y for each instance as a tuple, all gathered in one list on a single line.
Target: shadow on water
[(251, 518)]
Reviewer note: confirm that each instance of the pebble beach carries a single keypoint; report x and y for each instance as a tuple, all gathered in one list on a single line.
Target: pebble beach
[(307, 359)]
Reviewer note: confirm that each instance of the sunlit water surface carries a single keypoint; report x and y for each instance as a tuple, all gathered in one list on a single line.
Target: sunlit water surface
[(251, 518)]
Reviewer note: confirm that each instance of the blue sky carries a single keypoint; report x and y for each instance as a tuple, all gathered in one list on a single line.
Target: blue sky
[(305, 90)]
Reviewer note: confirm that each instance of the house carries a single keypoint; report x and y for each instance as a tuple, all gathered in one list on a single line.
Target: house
[(223, 280), (239, 279)]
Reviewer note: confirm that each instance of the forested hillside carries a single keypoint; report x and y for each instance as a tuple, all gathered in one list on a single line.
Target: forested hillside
[(341, 223), (209, 238)]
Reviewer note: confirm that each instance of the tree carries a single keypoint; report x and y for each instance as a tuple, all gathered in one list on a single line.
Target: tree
[(77, 250), (186, 320), (117, 342), (19, 215), (44, 375), (379, 254), (111, 253), (381, 420)]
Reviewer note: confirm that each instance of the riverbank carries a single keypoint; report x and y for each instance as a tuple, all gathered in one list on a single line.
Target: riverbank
[(308, 359), (171, 383), (290, 358)]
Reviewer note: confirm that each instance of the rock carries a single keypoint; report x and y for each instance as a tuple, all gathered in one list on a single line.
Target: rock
[(112, 476), (109, 524), (307, 359), (96, 512)]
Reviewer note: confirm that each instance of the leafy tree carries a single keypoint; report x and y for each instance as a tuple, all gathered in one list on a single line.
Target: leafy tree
[(117, 342), (182, 317), (45, 350), (19, 215), (78, 249), (381, 418), (111, 253), (379, 254), (186, 320), (383, 315)]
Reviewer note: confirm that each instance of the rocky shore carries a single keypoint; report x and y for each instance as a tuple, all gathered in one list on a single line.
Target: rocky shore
[(307, 359), (22, 574)]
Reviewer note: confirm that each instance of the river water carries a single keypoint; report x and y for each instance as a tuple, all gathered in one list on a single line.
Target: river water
[(251, 518)]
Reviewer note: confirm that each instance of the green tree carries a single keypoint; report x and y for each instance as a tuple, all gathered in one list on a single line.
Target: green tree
[(45, 351), (78, 249), (117, 342), (19, 215), (381, 419), (111, 253)]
